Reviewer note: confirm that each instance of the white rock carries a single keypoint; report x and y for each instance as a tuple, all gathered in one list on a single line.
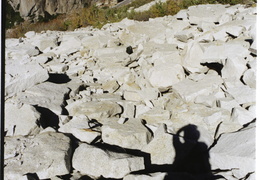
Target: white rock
[(208, 13), (47, 155), (79, 127), (151, 176), (189, 89), (161, 148), (249, 77), (242, 116), (68, 45), (21, 120), (90, 160), (182, 15), (30, 34), (48, 95), (235, 65), (132, 134), (155, 115), (23, 77), (94, 110), (227, 103), (228, 50), (165, 75), (193, 57), (235, 151), (243, 94)]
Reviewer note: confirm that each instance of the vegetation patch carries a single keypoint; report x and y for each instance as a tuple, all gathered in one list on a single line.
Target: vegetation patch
[(98, 17)]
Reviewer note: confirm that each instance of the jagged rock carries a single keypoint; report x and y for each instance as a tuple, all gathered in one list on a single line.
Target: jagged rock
[(48, 95), (79, 126), (236, 152), (249, 77), (242, 116), (94, 110), (151, 176), (20, 78), (69, 44), (189, 89), (165, 75), (90, 160), (161, 148), (46, 154), (235, 65), (155, 115), (207, 13), (21, 120), (132, 134)]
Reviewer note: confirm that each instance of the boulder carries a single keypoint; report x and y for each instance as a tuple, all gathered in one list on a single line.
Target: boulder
[(161, 148), (90, 160), (23, 77), (131, 134), (249, 77), (165, 75), (49, 95), (47, 155), (155, 115), (94, 110), (68, 45), (189, 89), (242, 116), (235, 151), (235, 65), (206, 13), (79, 126), (21, 120), (243, 94)]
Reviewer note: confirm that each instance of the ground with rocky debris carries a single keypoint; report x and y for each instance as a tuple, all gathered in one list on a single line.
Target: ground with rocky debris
[(170, 98)]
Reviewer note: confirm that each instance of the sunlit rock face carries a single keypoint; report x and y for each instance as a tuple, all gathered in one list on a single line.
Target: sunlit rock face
[(169, 98)]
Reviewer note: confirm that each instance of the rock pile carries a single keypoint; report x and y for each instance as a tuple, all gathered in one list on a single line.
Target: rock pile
[(170, 98)]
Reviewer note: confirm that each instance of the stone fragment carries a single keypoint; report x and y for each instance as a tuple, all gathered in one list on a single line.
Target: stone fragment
[(21, 120), (189, 89), (111, 86), (48, 95), (242, 116), (236, 66), (235, 151), (206, 13), (95, 109), (79, 126), (184, 35), (161, 148), (90, 160), (249, 78), (165, 75), (46, 154), (69, 44), (132, 134), (155, 115), (243, 94), (151, 176), (23, 77)]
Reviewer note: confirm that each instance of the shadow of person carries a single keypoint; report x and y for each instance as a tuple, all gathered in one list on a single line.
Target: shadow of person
[(191, 156)]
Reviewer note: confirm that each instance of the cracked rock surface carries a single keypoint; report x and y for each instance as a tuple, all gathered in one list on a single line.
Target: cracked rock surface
[(169, 98)]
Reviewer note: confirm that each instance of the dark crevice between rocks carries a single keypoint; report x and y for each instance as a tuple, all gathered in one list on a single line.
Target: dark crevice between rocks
[(32, 176), (58, 78), (214, 66), (48, 118)]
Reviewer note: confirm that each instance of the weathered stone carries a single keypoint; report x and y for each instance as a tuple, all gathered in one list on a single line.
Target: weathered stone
[(21, 120), (48, 95), (243, 94), (242, 116), (161, 148), (207, 13), (236, 66), (235, 151), (90, 160), (132, 134), (151, 176), (155, 115), (111, 86), (69, 44), (23, 77), (46, 154), (249, 77), (79, 126), (165, 75), (184, 35), (94, 110), (189, 89)]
